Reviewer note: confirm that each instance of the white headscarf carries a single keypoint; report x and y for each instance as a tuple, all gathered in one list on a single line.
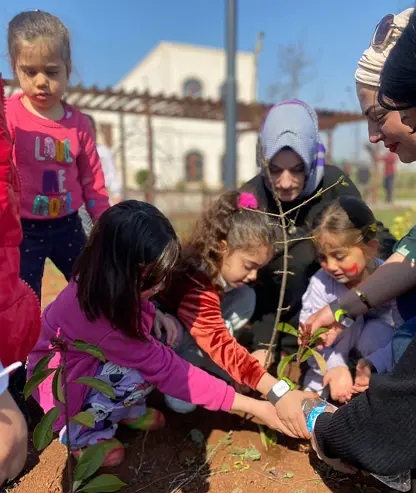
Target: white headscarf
[(372, 60)]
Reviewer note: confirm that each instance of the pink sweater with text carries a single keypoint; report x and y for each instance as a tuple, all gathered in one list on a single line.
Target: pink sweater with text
[(157, 364), (57, 161)]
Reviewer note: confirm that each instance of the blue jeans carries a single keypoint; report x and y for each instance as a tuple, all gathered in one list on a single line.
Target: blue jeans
[(60, 239)]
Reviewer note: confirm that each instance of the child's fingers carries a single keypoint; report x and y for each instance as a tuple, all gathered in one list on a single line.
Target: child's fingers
[(173, 336)]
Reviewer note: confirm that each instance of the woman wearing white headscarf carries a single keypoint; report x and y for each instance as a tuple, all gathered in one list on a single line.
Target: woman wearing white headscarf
[(383, 125), (377, 430), (291, 144)]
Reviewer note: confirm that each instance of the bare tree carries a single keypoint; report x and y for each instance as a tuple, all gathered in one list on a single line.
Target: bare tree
[(294, 71)]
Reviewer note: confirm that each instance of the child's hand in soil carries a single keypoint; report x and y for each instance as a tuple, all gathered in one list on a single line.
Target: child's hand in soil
[(340, 383), (167, 323), (266, 412), (362, 376)]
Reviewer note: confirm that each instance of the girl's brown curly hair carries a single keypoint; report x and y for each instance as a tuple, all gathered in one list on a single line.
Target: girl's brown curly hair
[(241, 229)]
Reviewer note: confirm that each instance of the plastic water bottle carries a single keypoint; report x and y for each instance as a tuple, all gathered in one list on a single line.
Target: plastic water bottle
[(399, 482), (312, 408)]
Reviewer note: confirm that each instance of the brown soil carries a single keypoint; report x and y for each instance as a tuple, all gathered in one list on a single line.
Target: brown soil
[(169, 461)]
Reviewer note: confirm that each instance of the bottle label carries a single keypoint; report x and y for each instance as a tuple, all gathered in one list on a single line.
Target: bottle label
[(313, 415)]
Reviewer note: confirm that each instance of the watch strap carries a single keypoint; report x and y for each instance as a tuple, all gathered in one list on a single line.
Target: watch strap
[(340, 314), (273, 398), (363, 298)]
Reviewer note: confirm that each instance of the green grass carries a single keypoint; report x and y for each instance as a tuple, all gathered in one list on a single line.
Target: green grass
[(387, 216)]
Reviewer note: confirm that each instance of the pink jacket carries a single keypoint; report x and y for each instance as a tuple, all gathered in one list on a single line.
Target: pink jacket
[(157, 364), (57, 161)]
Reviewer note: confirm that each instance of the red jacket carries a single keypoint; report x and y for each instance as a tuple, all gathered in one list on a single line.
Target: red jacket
[(197, 305), (19, 306)]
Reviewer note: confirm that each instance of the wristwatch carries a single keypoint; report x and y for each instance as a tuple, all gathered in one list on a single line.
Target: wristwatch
[(363, 298), (279, 389), (341, 316)]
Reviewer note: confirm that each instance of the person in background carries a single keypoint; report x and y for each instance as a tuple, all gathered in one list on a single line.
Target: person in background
[(389, 160), (112, 181), (290, 143), (53, 148)]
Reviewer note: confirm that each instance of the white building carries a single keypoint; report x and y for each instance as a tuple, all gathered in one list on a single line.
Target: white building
[(187, 152)]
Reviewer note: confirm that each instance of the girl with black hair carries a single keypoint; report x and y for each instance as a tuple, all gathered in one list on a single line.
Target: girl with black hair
[(127, 260)]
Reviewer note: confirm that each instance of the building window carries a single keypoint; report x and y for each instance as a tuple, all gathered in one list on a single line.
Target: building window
[(192, 88), (194, 167)]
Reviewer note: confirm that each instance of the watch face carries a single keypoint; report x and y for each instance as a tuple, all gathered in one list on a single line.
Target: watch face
[(281, 388)]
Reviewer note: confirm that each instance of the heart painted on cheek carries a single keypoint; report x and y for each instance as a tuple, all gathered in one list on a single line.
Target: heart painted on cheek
[(351, 270)]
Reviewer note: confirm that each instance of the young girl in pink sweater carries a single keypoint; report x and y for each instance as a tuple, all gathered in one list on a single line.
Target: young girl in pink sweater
[(128, 257), (53, 148)]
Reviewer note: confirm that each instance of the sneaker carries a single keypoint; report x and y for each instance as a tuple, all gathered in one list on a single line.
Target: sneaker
[(179, 406), (113, 457), (151, 421)]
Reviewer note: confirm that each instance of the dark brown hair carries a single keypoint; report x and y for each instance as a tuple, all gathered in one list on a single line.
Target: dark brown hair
[(132, 248), (398, 77), (35, 25), (348, 219), (241, 229)]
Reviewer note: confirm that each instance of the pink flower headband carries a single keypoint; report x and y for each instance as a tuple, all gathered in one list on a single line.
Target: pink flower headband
[(247, 201)]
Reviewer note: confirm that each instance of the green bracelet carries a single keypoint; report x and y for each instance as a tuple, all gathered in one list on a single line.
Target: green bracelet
[(341, 316)]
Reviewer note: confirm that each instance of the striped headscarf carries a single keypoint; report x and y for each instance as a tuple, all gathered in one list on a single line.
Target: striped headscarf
[(294, 124)]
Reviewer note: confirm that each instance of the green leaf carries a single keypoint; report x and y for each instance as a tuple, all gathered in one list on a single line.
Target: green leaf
[(103, 484), (84, 347), (84, 418), (57, 390), (289, 475), (268, 437), (43, 434), (35, 381), (96, 383), (252, 454), (320, 360), (90, 461), (283, 363), (43, 363), (306, 355), (317, 334), (227, 439), (249, 453), (287, 328)]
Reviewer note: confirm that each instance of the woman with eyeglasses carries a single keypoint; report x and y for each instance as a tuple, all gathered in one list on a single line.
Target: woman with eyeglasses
[(398, 79), (290, 146), (377, 430)]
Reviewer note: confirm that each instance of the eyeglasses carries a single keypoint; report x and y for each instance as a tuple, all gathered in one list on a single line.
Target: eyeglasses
[(383, 32)]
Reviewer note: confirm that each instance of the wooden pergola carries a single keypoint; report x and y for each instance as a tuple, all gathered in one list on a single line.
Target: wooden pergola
[(121, 102)]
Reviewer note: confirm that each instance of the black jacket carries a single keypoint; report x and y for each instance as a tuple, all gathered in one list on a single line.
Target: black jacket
[(376, 431), (302, 261)]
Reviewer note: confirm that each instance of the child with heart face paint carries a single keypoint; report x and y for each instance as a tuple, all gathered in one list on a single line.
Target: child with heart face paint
[(345, 238)]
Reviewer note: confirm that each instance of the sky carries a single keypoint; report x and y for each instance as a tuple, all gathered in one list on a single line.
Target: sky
[(109, 38)]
